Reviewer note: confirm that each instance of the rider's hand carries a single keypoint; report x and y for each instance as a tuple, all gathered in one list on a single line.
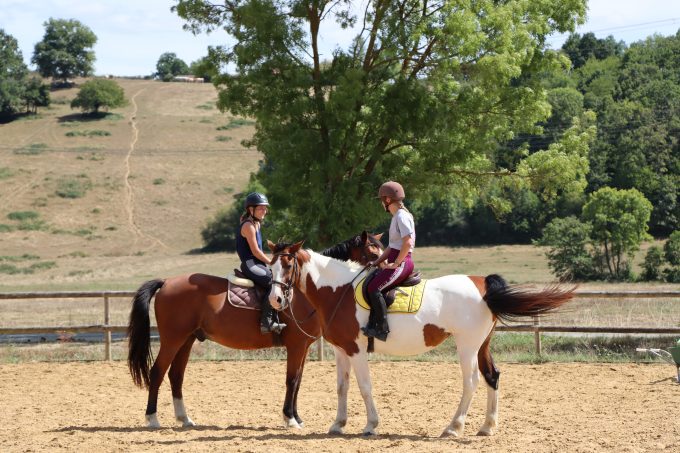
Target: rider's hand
[(391, 266)]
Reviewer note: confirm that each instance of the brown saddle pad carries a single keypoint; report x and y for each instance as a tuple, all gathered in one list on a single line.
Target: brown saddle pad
[(243, 297)]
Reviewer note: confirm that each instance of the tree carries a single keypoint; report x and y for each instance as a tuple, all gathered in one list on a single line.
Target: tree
[(13, 74), (36, 94), (652, 264), (65, 50), (619, 220), (423, 95), (99, 93), (169, 66), (569, 256), (204, 68), (582, 48)]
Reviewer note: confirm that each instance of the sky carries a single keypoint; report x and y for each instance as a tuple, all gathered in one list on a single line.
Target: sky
[(132, 34)]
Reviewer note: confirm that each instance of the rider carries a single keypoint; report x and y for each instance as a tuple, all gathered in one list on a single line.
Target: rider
[(397, 254), (253, 260)]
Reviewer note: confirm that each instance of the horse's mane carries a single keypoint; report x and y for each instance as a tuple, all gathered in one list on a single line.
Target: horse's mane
[(341, 251), (279, 247)]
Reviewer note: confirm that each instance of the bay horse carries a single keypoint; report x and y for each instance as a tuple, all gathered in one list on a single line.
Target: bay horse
[(466, 307), (194, 306)]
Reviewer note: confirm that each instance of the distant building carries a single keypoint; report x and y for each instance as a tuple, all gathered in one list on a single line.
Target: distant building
[(188, 79)]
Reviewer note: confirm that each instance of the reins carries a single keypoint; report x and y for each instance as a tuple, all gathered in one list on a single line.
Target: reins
[(296, 277)]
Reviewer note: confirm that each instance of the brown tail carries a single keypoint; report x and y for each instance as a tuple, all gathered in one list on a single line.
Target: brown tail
[(511, 303)]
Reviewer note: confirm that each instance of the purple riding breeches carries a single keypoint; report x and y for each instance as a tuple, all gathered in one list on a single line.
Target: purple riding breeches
[(389, 278)]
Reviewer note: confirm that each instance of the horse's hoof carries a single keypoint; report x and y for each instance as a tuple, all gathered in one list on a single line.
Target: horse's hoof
[(336, 429), (369, 433), (152, 421), (291, 423), (187, 423), (449, 433), (485, 432)]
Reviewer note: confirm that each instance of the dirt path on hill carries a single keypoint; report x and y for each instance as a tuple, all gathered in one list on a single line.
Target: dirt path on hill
[(237, 406), (130, 195)]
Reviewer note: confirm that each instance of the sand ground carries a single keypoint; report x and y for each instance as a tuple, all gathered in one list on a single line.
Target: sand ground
[(94, 407)]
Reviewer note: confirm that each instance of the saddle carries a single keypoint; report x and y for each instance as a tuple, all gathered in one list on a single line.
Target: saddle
[(242, 292), (414, 294)]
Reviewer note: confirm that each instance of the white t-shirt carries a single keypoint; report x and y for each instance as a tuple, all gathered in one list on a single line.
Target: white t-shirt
[(402, 225)]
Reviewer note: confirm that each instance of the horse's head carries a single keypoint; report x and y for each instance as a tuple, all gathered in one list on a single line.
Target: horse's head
[(285, 273), (366, 247)]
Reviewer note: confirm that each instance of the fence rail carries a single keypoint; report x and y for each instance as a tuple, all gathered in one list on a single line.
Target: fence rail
[(536, 327)]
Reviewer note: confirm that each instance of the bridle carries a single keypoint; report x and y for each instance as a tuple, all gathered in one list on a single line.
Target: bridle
[(287, 288)]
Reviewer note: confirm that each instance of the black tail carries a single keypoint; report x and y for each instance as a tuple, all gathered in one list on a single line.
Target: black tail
[(512, 303), (140, 359)]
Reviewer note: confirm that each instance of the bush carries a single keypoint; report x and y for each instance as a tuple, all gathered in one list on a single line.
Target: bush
[(71, 187), (568, 256), (672, 249), (99, 93), (652, 265)]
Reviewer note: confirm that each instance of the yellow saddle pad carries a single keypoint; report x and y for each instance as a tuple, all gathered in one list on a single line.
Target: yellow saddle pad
[(407, 299)]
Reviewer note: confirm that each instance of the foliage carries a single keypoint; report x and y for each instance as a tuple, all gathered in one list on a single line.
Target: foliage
[(580, 49), (652, 264), (64, 51), (219, 234), (73, 187), (569, 256), (97, 94), (204, 68), (619, 220), (671, 249), (423, 95), (169, 66), (13, 73)]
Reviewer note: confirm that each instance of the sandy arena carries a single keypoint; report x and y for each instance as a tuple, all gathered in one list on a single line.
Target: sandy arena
[(94, 407)]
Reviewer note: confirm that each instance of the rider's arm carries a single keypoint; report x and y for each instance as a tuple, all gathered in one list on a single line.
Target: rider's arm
[(248, 231), (382, 257), (406, 246)]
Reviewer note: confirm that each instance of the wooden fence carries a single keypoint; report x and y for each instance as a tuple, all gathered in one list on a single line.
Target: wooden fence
[(106, 329)]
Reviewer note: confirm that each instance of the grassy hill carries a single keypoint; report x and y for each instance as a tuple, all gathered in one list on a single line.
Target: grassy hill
[(79, 194)]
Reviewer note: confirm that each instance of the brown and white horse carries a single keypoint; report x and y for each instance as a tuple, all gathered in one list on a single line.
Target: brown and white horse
[(464, 306), (195, 305)]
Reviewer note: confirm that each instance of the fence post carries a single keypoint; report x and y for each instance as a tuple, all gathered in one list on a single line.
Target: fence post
[(537, 335), (107, 334), (319, 348)]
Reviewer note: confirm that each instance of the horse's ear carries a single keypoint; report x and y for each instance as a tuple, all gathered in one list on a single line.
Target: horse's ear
[(364, 236), (378, 236), (271, 245), (297, 246)]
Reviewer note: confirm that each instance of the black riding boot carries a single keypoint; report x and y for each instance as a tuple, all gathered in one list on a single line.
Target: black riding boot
[(380, 328), (267, 323)]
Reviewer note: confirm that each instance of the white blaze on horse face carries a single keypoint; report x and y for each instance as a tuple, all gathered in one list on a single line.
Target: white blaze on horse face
[(276, 291)]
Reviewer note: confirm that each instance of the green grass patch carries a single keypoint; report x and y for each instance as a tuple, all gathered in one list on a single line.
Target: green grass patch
[(23, 215), (6, 172), (4, 228), (234, 123), (8, 266), (31, 150), (206, 106), (88, 133), (205, 120), (223, 138), (158, 181), (39, 202), (73, 187)]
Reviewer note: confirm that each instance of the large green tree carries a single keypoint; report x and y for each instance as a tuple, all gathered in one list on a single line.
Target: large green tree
[(65, 50), (13, 75), (423, 94), (97, 94), (170, 65)]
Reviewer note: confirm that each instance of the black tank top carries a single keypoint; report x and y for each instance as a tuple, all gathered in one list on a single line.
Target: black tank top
[(242, 246)]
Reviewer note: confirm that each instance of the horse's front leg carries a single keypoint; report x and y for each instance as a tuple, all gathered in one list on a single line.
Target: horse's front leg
[(359, 362), (343, 367)]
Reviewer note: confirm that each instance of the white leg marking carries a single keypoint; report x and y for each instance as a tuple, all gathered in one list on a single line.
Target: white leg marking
[(152, 421), (291, 423), (491, 422), (181, 413), (343, 368)]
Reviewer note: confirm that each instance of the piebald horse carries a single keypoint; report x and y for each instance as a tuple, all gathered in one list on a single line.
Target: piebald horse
[(194, 306), (466, 307)]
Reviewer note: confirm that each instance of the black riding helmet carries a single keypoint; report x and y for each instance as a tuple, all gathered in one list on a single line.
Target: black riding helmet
[(255, 199)]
